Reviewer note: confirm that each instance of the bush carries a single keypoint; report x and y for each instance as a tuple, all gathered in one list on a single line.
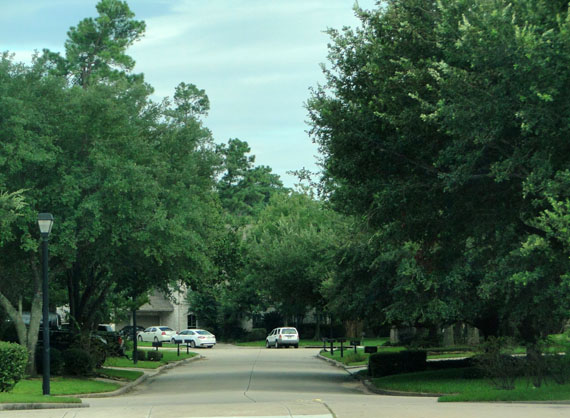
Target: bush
[(78, 362), (141, 355), (13, 361), (498, 364), (257, 334), (154, 355), (383, 364), (56, 362)]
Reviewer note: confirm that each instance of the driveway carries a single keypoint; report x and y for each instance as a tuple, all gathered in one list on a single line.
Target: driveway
[(247, 382)]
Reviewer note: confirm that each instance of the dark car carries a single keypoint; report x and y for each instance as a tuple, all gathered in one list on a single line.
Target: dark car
[(127, 331)]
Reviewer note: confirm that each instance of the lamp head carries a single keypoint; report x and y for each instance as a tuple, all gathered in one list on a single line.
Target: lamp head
[(45, 222)]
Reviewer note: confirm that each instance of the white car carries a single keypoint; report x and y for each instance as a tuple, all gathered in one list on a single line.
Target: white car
[(195, 337), (282, 337), (157, 333)]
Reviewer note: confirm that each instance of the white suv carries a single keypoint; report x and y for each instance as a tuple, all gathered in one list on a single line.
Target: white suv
[(282, 337)]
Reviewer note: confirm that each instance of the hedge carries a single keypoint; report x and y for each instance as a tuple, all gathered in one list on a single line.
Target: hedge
[(383, 364), (13, 361)]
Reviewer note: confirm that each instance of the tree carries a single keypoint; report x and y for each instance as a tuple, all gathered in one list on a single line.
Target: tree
[(130, 182), (244, 189), (441, 123), (290, 250)]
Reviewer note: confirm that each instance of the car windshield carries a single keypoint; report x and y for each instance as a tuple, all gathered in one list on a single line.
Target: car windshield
[(289, 331), (203, 332), (166, 329)]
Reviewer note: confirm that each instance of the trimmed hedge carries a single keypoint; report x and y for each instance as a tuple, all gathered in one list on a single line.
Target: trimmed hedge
[(384, 364), (141, 355), (154, 355), (13, 361)]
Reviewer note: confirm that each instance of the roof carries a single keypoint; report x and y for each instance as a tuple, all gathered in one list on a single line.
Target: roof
[(157, 303)]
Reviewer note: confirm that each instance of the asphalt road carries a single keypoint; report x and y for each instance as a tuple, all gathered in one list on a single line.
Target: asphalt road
[(257, 382)]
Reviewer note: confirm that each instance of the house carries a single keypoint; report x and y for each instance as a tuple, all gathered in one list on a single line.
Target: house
[(160, 310)]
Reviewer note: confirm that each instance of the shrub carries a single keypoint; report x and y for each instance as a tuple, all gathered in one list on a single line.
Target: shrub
[(383, 364), (78, 362), (498, 364), (56, 362), (13, 361), (257, 334), (154, 355), (141, 355)]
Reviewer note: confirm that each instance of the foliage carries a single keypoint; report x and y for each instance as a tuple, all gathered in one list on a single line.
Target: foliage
[(13, 360), (154, 355), (383, 364), (290, 249), (130, 182), (498, 363), (141, 355), (78, 362), (443, 125), (56, 362)]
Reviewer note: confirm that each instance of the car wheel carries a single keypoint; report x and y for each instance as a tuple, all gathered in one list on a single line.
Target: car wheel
[(296, 345), (267, 344), (140, 338), (192, 344)]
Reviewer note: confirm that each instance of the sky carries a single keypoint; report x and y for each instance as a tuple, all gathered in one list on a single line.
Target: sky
[(256, 60)]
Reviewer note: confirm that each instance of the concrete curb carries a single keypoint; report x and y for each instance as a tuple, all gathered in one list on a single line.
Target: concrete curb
[(23, 406), (124, 389)]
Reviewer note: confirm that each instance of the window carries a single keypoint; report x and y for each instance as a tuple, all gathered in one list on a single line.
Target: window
[(191, 321)]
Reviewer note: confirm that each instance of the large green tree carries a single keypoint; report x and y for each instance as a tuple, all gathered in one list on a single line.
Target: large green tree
[(290, 252), (130, 182), (442, 123)]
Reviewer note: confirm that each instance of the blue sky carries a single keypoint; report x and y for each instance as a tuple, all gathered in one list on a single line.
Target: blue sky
[(256, 59)]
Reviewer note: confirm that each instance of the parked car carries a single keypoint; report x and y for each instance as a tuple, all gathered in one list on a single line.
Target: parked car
[(157, 333), (127, 331), (282, 337), (195, 337)]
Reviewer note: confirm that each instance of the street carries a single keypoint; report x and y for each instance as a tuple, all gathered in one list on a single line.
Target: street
[(259, 382)]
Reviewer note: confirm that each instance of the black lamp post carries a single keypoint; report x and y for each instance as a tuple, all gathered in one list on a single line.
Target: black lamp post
[(45, 221)]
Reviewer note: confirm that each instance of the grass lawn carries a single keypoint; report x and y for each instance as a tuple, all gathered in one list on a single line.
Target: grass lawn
[(168, 356), (128, 375), (30, 390), (461, 389)]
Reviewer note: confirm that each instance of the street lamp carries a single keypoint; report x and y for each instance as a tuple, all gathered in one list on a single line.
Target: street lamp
[(45, 222)]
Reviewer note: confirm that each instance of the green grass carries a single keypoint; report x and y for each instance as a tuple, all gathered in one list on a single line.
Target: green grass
[(129, 375), (30, 390), (460, 389), (168, 357)]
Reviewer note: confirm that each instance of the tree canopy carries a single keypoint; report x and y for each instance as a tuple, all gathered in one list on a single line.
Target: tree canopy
[(445, 124)]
